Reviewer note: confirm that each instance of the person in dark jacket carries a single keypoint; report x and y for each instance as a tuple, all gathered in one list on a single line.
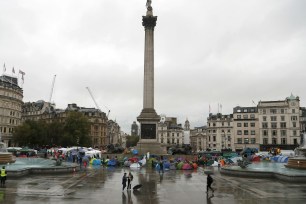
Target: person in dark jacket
[(210, 180), (129, 180), (124, 178)]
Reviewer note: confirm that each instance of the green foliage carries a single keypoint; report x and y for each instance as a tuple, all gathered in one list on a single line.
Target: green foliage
[(131, 141), (75, 131)]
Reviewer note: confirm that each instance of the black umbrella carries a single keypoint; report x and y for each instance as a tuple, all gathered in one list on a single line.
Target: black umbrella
[(138, 186)]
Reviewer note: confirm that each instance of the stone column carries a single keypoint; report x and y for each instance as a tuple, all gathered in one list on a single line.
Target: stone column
[(148, 117)]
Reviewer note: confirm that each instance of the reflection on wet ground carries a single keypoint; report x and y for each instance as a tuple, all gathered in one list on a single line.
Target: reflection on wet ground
[(103, 185)]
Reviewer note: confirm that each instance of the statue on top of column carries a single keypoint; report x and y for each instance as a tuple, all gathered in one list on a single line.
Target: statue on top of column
[(148, 5)]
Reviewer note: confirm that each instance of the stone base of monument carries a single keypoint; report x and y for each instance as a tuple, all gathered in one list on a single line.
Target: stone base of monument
[(153, 147)]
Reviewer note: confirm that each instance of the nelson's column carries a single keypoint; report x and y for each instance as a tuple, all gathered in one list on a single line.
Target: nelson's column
[(148, 118)]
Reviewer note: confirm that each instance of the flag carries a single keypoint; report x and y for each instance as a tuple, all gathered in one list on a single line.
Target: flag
[(21, 72), (4, 68), (13, 70)]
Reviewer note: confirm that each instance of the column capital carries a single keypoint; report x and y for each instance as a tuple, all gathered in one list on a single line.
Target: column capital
[(149, 22)]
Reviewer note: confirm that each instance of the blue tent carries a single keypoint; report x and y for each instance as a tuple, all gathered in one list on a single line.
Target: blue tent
[(112, 162)]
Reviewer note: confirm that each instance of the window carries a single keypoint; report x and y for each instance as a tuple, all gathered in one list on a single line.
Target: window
[(282, 111), (284, 141), (293, 118), (253, 141), (252, 132), (264, 118), (209, 138), (283, 133), (228, 124), (238, 124), (264, 125), (274, 132), (245, 117), (273, 118), (228, 138), (252, 124), (162, 140), (239, 116), (274, 141), (294, 132), (228, 130), (246, 141), (295, 141), (264, 111), (178, 134), (273, 125), (245, 124), (239, 132), (222, 123), (293, 110), (265, 141), (214, 124), (239, 140), (246, 132), (273, 111), (214, 138), (252, 116), (283, 125), (282, 118), (294, 124), (177, 141)]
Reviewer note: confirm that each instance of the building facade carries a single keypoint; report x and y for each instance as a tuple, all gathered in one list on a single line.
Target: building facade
[(245, 128), (113, 132), (169, 132), (279, 123), (11, 96), (220, 132), (302, 120), (198, 139)]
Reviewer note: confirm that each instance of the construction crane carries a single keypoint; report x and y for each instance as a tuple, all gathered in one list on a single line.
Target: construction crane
[(52, 87), (97, 106)]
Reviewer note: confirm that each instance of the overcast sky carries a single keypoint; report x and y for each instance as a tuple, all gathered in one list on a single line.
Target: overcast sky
[(230, 52)]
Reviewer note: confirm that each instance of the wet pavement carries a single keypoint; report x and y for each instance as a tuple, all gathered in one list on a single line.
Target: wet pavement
[(103, 185)]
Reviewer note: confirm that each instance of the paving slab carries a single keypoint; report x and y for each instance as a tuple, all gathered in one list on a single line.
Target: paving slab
[(103, 185)]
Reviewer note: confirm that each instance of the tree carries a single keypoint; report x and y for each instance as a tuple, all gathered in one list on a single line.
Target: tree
[(76, 130), (31, 133), (132, 141)]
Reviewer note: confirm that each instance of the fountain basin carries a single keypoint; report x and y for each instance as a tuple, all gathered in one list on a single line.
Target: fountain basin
[(297, 163), (267, 170), (25, 166)]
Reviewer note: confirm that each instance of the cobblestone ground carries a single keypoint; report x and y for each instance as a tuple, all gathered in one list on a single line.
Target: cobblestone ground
[(103, 185)]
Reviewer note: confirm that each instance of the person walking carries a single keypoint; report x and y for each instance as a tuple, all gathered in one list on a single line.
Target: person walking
[(129, 180), (210, 180), (124, 178), (3, 176), (161, 166)]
